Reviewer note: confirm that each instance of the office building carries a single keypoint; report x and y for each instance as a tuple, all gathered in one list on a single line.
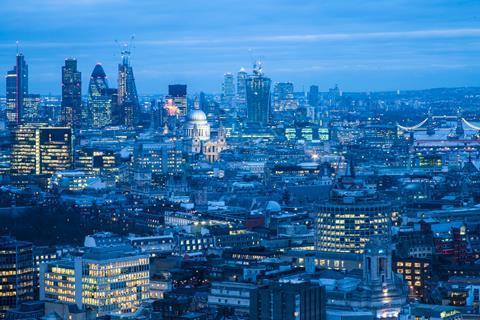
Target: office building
[(288, 301), (16, 273), (16, 90), (178, 94), (283, 98), (94, 161), (258, 96), (106, 280), (353, 215), (100, 99), (313, 96), (154, 161), (71, 94), (241, 96), (127, 98), (40, 149), (31, 108), (228, 91), (231, 295)]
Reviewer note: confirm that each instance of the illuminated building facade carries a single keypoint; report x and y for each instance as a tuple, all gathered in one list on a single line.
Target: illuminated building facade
[(178, 93), (153, 161), (307, 132), (106, 280), (100, 99), (16, 90), (39, 149), (16, 273), (417, 274), (71, 94), (353, 215), (127, 91), (258, 96), (31, 108), (95, 160)]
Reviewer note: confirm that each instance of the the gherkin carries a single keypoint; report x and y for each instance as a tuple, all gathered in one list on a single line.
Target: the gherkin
[(99, 98)]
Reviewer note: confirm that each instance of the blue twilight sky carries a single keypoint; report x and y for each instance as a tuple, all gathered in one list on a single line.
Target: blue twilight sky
[(359, 44)]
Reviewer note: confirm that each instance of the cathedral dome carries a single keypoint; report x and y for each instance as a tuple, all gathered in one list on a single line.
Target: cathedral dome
[(197, 115), (196, 125)]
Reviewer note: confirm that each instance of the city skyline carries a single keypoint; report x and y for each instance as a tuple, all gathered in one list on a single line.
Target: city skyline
[(380, 46)]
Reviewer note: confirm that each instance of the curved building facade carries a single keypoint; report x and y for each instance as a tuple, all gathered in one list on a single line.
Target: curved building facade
[(99, 98), (347, 228), (353, 215)]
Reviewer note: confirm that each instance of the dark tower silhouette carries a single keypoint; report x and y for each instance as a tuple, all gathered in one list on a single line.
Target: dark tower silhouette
[(16, 90), (71, 94)]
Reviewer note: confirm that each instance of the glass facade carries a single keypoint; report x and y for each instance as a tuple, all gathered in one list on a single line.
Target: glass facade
[(41, 150), (347, 228), (16, 273)]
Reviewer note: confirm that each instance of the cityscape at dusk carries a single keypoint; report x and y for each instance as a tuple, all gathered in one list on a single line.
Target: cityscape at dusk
[(240, 160)]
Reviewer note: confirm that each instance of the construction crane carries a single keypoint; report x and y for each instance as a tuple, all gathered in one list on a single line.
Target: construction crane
[(126, 50)]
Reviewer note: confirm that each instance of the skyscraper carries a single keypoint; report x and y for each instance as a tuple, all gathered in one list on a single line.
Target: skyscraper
[(16, 90), (258, 96), (313, 96), (128, 103), (71, 94), (228, 91), (99, 98), (241, 97), (178, 93)]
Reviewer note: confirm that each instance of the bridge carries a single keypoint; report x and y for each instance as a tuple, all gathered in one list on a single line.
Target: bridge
[(430, 124)]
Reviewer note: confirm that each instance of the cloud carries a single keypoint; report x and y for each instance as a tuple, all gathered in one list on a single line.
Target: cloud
[(295, 38)]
